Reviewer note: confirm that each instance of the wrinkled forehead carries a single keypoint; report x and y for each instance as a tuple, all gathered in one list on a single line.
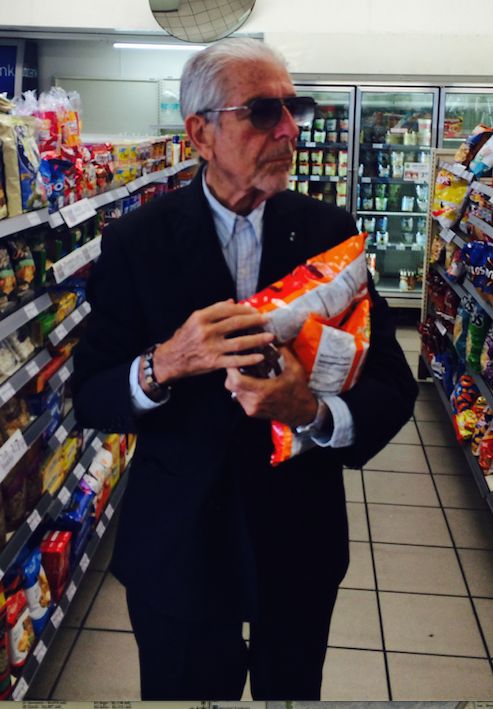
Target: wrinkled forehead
[(250, 79)]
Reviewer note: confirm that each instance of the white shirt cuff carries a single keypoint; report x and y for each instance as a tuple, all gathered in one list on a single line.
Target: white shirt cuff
[(343, 432), (140, 401)]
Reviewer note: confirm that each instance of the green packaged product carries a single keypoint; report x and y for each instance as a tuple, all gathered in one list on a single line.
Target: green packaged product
[(477, 329)]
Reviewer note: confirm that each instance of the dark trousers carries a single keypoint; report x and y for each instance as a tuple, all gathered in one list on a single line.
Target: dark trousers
[(209, 660)]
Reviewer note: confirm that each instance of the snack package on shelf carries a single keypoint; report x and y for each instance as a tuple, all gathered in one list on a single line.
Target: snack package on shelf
[(112, 444), (479, 323), (14, 497), (464, 394), (23, 264), (5, 681), (3, 203), (482, 425), (19, 624), (21, 343), (478, 261), (98, 479), (7, 282), (468, 150), (77, 517), (9, 362), (55, 554), (36, 588), (14, 415), (466, 420), (449, 198), (461, 325)]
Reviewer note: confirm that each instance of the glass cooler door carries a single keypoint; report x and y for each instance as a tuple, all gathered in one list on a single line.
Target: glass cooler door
[(395, 129), (461, 109), (324, 151)]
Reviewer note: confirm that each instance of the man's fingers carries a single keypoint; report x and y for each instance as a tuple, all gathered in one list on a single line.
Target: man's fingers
[(248, 342), (236, 361), (224, 309), (245, 320)]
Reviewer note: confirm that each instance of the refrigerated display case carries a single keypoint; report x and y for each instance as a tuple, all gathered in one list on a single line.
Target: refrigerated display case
[(324, 154), (461, 109), (395, 129)]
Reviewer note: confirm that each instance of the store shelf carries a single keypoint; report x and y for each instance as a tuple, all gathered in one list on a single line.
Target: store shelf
[(23, 375), (23, 315), (62, 431), (481, 224), (393, 146), (35, 659), (61, 375), (457, 169), (317, 178), (13, 225), (159, 175), (394, 247), (381, 213), (67, 325), (37, 428), (72, 262), (389, 181), (450, 235), (311, 144), (101, 200), (477, 473)]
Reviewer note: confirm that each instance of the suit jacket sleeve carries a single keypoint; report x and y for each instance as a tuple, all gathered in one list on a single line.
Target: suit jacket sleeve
[(112, 340)]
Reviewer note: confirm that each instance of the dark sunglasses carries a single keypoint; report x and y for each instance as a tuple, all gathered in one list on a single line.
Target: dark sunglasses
[(265, 113)]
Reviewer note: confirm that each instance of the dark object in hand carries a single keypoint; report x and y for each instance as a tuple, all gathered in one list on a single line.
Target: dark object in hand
[(270, 366)]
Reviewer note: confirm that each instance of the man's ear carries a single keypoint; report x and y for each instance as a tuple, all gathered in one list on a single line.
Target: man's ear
[(202, 135)]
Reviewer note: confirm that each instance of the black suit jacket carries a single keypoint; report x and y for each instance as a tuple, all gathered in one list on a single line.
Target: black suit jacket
[(208, 529)]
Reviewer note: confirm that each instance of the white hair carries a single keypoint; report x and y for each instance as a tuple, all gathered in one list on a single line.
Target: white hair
[(206, 76)]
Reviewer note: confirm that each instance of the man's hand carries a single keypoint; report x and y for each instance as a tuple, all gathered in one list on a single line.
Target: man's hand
[(285, 398), (204, 343)]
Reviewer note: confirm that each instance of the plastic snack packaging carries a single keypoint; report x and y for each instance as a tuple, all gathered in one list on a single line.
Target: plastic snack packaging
[(473, 144), (55, 551), (19, 624), (21, 158), (7, 282), (332, 355), (480, 429), (461, 324), (23, 263), (449, 198), (36, 588), (5, 682), (464, 394), (486, 451), (479, 324), (3, 198)]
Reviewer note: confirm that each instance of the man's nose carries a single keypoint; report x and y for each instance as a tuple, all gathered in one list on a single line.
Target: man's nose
[(286, 128)]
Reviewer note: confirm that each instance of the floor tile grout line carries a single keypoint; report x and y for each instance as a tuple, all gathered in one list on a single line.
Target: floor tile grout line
[(377, 595), (427, 507), (410, 652), (77, 635), (457, 556), (415, 593)]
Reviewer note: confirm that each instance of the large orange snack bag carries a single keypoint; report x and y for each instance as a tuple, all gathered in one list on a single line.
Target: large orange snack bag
[(327, 284), (332, 353)]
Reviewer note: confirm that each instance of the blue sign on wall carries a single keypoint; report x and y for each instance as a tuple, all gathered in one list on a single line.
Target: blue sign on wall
[(8, 55)]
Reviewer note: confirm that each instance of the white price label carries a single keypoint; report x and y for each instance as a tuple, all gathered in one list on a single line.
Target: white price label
[(84, 562), (366, 179), (79, 471), (400, 247), (314, 178), (31, 310), (381, 248), (121, 192), (416, 247), (70, 592), (20, 689), (57, 616), (40, 651), (64, 495), (11, 452), (55, 220), (7, 391), (33, 218), (441, 327), (60, 332), (109, 511), (60, 434), (92, 249), (64, 373), (310, 144), (100, 529), (76, 317), (85, 308), (378, 146), (60, 272), (447, 235), (34, 520), (31, 369), (78, 212)]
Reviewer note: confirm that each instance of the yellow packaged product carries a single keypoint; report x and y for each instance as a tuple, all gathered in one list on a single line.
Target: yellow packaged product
[(52, 471), (112, 444)]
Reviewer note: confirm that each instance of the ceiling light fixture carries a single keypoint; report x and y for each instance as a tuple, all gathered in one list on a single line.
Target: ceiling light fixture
[(148, 45)]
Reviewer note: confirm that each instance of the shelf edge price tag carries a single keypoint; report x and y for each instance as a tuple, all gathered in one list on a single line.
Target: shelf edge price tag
[(79, 471), (40, 651), (64, 373), (33, 218), (109, 511), (55, 220), (34, 520), (76, 317), (20, 689), (31, 310), (64, 495), (84, 563), (400, 247), (441, 327), (100, 529), (447, 235), (77, 212), (70, 592), (7, 391), (12, 451), (31, 369), (61, 332), (57, 616)]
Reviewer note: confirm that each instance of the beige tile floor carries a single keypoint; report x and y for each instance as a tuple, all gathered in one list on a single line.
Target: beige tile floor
[(414, 616)]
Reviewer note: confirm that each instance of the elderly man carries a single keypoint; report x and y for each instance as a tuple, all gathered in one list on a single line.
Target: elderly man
[(210, 535)]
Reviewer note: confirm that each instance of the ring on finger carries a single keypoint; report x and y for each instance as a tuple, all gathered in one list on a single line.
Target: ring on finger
[(234, 395)]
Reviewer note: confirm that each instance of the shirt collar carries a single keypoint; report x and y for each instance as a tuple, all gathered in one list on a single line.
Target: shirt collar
[(228, 218)]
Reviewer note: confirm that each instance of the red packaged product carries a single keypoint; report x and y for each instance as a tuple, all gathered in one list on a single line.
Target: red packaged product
[(19, 624), (55, 550)]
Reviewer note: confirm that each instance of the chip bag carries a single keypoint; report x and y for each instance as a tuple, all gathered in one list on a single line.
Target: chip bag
[(332, 354), (449, 197)]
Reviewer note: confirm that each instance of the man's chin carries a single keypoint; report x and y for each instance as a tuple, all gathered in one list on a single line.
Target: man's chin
[(273, 183)]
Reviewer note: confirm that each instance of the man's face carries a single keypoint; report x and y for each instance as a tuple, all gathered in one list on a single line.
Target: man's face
[(243, 157)]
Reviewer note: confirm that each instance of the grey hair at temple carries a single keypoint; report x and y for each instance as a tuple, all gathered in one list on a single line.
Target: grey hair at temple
[(207, 74)]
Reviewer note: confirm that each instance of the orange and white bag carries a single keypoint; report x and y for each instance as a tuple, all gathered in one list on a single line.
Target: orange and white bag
[(332, 353)]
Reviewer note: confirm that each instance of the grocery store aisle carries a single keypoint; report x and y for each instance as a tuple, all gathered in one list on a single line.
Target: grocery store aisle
[(414, 617)]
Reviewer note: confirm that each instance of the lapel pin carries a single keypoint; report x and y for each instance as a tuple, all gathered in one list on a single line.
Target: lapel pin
[(292, 236)]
